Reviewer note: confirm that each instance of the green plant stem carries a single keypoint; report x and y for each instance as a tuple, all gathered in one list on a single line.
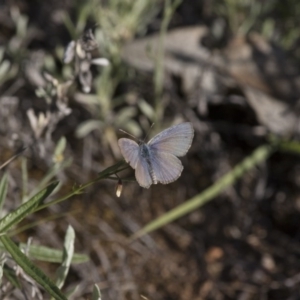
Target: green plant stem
[(118, 167), (169, 10), (260, 154), (39, 222)]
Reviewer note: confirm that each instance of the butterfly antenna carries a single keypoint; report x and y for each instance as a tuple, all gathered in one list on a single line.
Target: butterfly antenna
[(148, 132), (129, 134)]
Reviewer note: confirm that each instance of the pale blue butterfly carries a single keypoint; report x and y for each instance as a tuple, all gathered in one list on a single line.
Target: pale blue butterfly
[(157, 160)]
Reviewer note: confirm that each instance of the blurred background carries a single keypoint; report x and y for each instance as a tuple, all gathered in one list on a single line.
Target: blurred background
[(72, 73)]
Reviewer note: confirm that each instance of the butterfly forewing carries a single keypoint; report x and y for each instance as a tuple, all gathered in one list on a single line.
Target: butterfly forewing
[(130, 151), (175, 140), (166, 167)]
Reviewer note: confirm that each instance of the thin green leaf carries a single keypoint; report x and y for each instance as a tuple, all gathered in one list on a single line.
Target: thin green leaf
[(2, 51), (133, 127), (10, 275), (20, 213), (259, 155), (158, 76), (291, 146), (124, 115), (68, 252), (96, 293), (2, 261), (121, 165), (87, 127), (52, 255), (1, 274), (3, 191), (4, 67), (146, 109), (24, 179), (60, 148), (39, 222), (28, 267), (72, 291), (69, 24)]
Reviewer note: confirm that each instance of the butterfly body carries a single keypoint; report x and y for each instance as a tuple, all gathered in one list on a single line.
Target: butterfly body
[(156, 161), (146, 154)]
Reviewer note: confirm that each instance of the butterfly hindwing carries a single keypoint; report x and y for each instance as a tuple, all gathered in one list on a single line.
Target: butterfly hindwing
[(175, 140), (166, 167), (142, 173)]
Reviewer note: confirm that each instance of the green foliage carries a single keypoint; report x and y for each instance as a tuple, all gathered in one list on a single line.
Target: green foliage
[(275, 19), (68, 253), (32, 270), (67, 256), (96, 293), (26, 208), (52, 255), (118, 21), (258, 156), (290, 146)]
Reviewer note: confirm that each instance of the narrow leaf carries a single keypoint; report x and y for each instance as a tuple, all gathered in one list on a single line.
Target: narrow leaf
[(121, 165), (28, 267), (259, 155), (72, 291), (20, 213), (68, 252), (3, 191), (87, 127), (52, 255), (59, 150), (11, 276), (290, 146), (96, 293), (146, 109), (24, 179), (2, 261)]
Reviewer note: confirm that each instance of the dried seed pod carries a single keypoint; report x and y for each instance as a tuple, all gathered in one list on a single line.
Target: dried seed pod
[(119, 188)]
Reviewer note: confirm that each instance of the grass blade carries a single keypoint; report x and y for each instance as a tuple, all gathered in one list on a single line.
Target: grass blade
[(20, 213), (259, 155), (28, 267), (3, 191)]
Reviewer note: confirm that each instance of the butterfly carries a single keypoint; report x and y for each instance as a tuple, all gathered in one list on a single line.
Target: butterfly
[(156, 161)]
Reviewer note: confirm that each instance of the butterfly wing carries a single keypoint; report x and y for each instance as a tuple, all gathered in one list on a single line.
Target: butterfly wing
[(142, 173), (175, 140), (162, 164), (130, 151), (166, 167)]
